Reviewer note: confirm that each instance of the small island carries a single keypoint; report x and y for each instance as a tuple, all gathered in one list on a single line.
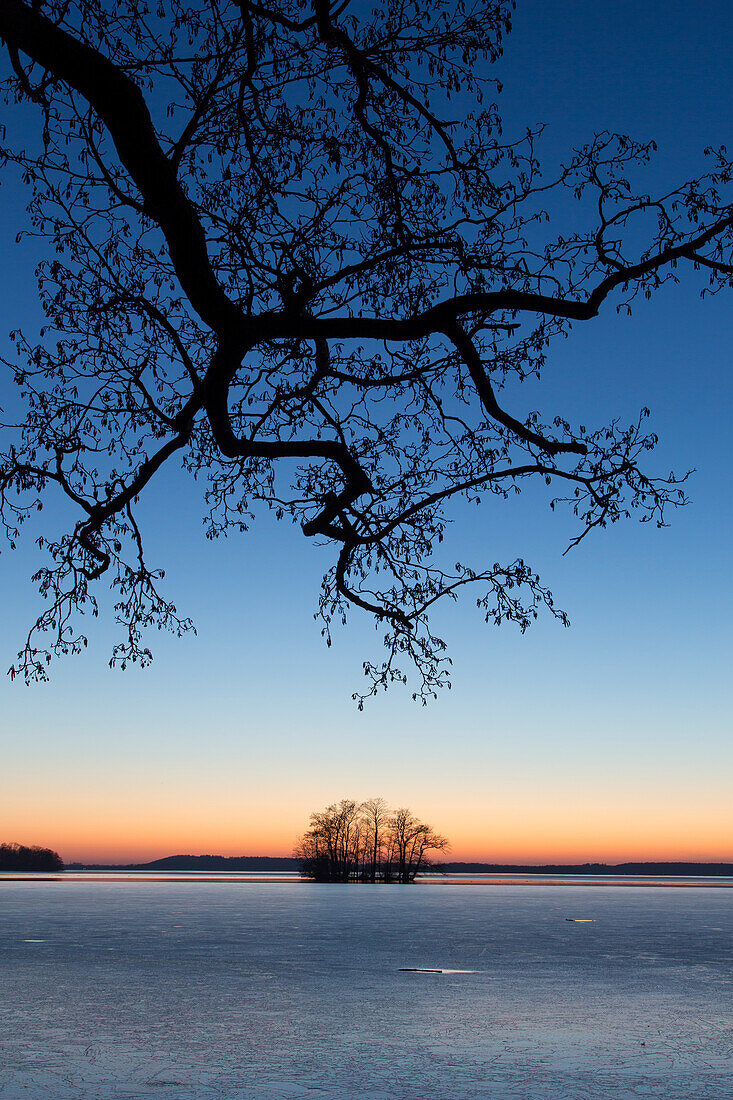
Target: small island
[(366, 842)]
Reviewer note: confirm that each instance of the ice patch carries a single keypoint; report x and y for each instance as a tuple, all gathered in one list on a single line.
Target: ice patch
[(432, 970)]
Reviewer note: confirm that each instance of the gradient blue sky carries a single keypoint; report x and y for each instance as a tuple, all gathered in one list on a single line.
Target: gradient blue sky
[(605, 741)]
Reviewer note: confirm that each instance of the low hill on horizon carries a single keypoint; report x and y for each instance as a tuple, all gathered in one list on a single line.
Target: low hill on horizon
[(197, 863)]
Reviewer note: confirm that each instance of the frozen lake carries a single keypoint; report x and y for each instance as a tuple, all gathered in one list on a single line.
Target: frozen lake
[(237, 991)]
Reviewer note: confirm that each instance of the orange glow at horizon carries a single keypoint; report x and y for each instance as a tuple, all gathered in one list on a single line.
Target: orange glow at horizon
[(117, 811), (100, 830)]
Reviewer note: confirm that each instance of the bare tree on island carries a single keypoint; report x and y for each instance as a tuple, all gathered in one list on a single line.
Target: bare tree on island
[(366, 842), (288, 246), (375, 812), (412, 841)]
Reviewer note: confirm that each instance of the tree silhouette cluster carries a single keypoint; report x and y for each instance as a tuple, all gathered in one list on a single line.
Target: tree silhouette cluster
[(288, 245), (18, 857), (366, 842)]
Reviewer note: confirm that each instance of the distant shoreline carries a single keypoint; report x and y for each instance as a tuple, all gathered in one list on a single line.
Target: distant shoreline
[(218, 864)]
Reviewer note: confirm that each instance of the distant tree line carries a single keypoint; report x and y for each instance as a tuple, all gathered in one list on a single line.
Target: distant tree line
[(17, 857), (366, 842)]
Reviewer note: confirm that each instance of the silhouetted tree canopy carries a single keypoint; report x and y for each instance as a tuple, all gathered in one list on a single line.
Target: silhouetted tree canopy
[(18, 857), (366, 842), (288, 246)]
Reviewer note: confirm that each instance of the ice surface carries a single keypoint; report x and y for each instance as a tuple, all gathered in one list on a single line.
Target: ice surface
[(257, 991)]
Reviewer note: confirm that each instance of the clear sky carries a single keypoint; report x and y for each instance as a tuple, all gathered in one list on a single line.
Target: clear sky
[(610, 740)]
